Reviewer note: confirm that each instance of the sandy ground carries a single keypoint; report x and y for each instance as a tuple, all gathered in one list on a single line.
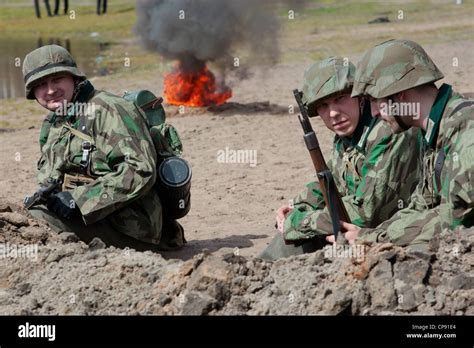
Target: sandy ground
[(233, 204)]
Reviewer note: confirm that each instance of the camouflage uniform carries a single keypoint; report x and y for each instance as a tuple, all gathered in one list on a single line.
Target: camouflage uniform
[(120, 205), (441, 201), (373, 180)]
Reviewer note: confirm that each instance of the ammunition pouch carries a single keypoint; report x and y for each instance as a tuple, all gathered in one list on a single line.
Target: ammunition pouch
[(71, 181)]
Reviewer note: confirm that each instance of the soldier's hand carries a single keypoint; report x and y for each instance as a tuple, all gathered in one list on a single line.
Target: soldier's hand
[(281, 215), (350, 232), (63, 205)]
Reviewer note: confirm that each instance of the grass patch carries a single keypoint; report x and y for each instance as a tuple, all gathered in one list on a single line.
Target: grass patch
[(328, 27), (22, 22), (20, 113)]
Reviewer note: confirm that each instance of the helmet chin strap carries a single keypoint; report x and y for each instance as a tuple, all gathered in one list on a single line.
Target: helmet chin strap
[(399, 120), (402, 124), (361, 105)]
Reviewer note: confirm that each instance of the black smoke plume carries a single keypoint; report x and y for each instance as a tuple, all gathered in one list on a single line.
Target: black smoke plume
[(198, 31)]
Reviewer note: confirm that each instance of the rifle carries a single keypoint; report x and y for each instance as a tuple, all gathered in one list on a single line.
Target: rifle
[(41, 196), (331, 195)]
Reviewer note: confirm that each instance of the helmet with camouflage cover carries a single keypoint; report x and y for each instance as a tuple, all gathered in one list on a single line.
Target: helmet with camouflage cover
[(45, 61), (394, 66), (327, 78)]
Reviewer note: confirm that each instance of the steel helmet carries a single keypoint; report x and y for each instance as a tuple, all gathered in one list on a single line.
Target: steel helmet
[(394, 66), (326, 78), (45, 61)]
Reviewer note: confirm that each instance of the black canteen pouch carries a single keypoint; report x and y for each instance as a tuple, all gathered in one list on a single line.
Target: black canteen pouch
[(173, 182), (174, 186)]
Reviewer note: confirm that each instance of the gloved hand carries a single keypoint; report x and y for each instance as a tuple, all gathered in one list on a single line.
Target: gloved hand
[(63, 205)]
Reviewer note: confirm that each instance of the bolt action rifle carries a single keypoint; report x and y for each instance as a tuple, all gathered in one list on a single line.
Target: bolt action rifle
[(41, 196), (331, 195)]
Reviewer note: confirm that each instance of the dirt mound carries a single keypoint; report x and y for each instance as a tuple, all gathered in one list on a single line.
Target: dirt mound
[(66, 276), (18, 228)]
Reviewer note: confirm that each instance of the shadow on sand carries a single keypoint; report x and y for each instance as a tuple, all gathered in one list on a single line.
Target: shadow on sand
[(195, 247)]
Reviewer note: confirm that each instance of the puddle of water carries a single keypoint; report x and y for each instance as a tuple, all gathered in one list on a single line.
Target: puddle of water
[(87, 53)]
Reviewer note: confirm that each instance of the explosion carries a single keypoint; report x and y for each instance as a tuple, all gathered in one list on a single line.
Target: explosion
[(194, 87), (198, 32)]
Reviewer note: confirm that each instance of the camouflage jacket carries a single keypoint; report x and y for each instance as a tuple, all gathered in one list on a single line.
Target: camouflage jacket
[(375, 172), (432, 208), (122, 161)]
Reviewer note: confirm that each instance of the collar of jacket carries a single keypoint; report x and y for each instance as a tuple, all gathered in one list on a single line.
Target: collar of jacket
[(366, 122), (84, 92), (434, 119)]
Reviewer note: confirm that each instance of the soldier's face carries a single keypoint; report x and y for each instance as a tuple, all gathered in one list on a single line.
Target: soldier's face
[(379, 108), (340, 114), (53, 90)]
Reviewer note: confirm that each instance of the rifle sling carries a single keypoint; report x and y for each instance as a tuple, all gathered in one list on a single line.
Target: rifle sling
[(331, 188), (79, 134)]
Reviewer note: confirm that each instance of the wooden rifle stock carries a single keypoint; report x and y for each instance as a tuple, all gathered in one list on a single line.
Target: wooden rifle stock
[(331, 195)]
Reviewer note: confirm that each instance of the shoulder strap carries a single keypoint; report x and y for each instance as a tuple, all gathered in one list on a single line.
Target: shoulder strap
[(462, 106), (438, 166), (361, 145), (79, 134), (82, 125), (87, 144)]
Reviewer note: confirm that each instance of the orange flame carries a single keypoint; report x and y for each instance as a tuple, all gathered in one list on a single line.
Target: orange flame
[(196, 88)]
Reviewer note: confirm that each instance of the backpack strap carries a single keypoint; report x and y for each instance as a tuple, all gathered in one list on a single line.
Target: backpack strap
[(79, 134), (462, 106), (438, 166), (87, 144), (152, 104), (149, 104), (361, 145)]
